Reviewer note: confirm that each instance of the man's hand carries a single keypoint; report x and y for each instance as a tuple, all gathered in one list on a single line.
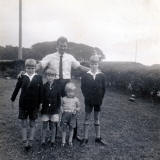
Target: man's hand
[(83, 68), (20, 74)]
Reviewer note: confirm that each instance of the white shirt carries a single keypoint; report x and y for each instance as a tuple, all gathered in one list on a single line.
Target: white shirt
[(94, 74), (30, 77), (52, 61)]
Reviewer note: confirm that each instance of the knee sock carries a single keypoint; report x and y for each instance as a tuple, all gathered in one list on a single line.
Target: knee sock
[(24, 129), (97, 130), (24, 134), (53, 131), (86, 129), (32, 132), (63, 137), (44, 129)]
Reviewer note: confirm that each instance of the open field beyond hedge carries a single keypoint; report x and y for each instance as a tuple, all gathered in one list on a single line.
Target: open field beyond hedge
[(131, 130)]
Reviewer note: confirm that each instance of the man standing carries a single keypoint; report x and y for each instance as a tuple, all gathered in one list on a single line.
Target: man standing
[(61, 62)]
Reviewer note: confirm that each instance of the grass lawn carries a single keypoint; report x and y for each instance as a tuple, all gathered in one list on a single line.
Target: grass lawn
[(131, 130)]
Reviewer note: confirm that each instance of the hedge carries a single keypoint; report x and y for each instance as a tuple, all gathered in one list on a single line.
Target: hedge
[(126, 76)]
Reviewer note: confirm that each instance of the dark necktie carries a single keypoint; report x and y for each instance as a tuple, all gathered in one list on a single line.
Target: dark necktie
[(61, 67)]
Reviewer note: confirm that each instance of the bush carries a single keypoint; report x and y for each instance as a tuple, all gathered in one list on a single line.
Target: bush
[(11, 68)]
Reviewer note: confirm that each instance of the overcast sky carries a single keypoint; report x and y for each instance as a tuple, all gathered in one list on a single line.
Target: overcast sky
[(112, 25)]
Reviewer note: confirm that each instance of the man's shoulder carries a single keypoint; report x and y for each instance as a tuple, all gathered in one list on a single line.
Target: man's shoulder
[(50, 55), (69, 56)]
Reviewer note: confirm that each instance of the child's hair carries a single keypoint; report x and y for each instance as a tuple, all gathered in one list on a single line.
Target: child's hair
[(50, 72), (30, 63), (70, 86), (94, 59)]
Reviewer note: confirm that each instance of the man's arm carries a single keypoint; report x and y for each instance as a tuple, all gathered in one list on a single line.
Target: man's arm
[(83, 68)]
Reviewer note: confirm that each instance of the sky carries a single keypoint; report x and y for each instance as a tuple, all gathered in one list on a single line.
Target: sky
[(125, 30)]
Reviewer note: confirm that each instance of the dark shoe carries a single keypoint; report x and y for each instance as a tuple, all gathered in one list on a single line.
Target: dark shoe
[(100, 141), (30, 144), (78, 138), (43, 144), (70, 144), (83, 142), (53, 144), (63, 145), (25, 145)]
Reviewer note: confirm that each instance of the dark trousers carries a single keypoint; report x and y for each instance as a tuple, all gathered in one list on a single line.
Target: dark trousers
[(62, 83)]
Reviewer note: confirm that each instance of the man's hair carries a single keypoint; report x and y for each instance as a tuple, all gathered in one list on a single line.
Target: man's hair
[(62, 40)]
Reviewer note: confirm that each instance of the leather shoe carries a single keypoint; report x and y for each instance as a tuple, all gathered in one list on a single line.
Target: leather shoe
[(100, 141), (83, 142)]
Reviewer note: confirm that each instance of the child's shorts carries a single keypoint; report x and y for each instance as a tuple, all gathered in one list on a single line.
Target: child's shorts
[(68, 119), (89, 108), (24, 114), (51, 117)]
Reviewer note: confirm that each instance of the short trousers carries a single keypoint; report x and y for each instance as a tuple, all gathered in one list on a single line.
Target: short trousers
[(51, 117), (89, 108), (68, 119), (24, 114)]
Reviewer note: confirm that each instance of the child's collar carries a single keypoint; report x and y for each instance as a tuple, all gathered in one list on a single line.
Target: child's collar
[(31, 75), (90, 72)]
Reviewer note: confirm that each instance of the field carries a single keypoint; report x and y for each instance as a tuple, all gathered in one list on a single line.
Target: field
[(131, 130)]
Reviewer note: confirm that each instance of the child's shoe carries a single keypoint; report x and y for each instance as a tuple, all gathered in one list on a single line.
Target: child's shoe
[(83, 142), (25, 145), (100, 141), (63, 145), (43, 143), (52, 144), (70, 144), (30, 144)]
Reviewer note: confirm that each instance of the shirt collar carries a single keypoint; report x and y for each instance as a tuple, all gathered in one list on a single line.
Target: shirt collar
[(30, 77), (60, 54), (94, 73)]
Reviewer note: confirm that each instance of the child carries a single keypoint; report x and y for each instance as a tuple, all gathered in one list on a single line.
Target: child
[(93, 89), (51, 105), (70, 107), (29, 101)]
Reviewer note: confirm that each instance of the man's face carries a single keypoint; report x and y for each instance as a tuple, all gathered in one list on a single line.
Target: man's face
[(62, 46)]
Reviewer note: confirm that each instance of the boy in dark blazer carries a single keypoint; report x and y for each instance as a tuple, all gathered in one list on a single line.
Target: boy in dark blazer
[(50, 105), (30, 98), (93, 90)]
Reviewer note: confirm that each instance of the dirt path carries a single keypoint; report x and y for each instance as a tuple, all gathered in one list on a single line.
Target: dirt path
[(131, 130)]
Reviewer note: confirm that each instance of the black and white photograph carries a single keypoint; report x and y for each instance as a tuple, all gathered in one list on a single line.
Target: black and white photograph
[(79, 79)]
